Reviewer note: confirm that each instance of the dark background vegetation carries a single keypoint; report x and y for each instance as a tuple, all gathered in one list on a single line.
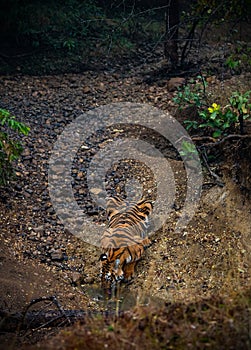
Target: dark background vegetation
[(63, 36)]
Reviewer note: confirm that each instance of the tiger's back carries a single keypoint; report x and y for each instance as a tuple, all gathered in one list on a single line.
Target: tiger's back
[(125, 239)]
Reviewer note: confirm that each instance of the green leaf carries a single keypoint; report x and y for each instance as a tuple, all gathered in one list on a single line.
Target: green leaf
[(213, 115), (225, 125), (191, 124), (217, 133)]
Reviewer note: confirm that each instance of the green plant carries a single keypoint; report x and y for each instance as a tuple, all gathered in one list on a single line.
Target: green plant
[(188, 151), (222, 119), (239, 58), (217, 118), (125, 44), (192, 94), (195, 21), (241, 105), (10, 148), (67, 24), (70, 44), (232, 62), (188, 148)]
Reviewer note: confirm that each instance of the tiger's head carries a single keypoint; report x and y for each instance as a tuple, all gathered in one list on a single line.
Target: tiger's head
[(111, 268)]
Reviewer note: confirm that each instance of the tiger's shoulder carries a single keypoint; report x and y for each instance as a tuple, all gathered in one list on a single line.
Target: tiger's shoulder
[(116, 206)]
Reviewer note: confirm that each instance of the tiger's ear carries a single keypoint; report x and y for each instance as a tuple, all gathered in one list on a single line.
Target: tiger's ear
[(110, 212), (113, 203), (103, 257), (145, 206)]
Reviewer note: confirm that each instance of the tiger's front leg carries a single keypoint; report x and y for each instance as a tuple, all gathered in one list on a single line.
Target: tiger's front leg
[(146, 242), (129, 270)]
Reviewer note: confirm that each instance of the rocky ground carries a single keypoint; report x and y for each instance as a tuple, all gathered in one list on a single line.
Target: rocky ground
[(39, 257)]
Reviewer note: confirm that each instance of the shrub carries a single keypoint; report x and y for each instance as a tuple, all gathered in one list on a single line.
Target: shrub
[(10, 147), (216, 119)]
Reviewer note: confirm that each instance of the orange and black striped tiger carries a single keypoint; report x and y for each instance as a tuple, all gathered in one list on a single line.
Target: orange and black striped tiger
[(125, 239)]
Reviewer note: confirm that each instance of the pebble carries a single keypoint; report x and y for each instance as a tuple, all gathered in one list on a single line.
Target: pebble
[(76, 277), (174, 83), (57, 255)]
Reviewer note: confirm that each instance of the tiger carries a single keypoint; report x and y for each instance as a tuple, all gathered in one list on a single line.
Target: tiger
[(125, 239)]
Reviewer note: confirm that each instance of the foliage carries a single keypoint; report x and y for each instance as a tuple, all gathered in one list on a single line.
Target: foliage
[(225, 9), (222, 120), (240, 103), (231, 62), (241, 106), (63, 35), (70, 30), (188, 96), (10, 148), (239, 59), (76, 25), (55, 25), (196, 18), (188, 151), (218, 119), (215, 118)]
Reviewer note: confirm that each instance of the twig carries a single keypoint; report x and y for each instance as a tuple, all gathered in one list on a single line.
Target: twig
[(26, 54), (53, 299), (218, 179), (203, 138), (217, 143), (15, 322)]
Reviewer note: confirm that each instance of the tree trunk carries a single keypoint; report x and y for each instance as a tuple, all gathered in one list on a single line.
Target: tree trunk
[(172, 32)]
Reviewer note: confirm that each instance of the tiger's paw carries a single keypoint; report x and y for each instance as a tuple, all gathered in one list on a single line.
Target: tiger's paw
[(128, 279)]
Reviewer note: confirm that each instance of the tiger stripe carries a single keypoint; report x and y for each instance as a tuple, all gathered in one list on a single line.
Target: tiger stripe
[(125, 239)]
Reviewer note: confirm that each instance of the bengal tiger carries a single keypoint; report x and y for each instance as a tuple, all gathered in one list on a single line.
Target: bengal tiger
[(125, 240)]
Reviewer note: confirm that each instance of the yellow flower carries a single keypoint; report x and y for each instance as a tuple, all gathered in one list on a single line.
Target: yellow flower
[(215, 107)]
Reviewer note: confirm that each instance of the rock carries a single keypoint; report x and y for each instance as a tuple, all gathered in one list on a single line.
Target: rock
[(96, 191), (26, 152), (174, 83), (102, 87), (86, 89), (39, 229), (36, 209), (18, 187), (57, 255), (76, 278), (80, 174), (212, 80)]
